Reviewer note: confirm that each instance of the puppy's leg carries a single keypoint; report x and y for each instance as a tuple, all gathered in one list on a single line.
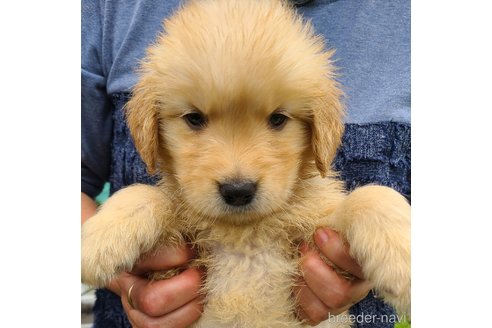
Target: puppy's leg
[(375, 221), (130, 223)]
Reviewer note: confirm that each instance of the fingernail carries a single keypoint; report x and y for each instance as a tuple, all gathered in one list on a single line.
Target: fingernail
[(321, 237)]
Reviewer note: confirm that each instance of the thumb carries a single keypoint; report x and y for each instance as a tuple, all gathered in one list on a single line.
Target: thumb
[(337, 251)]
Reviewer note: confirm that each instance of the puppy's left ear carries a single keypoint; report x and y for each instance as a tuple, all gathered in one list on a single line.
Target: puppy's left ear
[(142, 118), (327, 126)]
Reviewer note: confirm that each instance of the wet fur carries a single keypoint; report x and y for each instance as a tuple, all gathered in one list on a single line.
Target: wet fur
[(237, 61)]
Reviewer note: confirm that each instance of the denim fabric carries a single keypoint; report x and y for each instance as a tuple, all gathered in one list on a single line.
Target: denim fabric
[(371, 153), (380, 313), (108, 311), (376, 153)]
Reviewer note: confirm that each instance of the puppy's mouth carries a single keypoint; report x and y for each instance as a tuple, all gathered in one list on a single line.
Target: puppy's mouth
[(241, 210), (240, 215), (237, 201)]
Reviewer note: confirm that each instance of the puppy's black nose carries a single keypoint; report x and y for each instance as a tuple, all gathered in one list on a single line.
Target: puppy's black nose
[(238, 193)]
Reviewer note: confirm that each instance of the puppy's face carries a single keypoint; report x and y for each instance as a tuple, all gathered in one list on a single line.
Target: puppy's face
[(235, 119), (236, 154)]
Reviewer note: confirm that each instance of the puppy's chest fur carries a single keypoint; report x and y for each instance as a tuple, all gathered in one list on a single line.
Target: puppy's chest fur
[(247, 281)]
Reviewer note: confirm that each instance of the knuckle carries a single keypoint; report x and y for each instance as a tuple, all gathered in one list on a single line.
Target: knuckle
[(195, 276), (338, 295), (337, 303), (198, 307), (339, 252), (150, 302), (309, 263), (148, 324), (319, 315), (181, 255), (339, 299), (315, 312)]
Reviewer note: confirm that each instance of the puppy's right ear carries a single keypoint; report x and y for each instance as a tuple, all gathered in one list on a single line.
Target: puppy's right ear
[(142, 118)]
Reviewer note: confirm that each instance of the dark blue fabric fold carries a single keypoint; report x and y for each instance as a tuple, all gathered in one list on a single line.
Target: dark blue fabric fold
[(377, 153)]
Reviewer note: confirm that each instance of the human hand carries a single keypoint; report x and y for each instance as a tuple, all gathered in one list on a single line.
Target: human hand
[(322, 291), (174, 302)]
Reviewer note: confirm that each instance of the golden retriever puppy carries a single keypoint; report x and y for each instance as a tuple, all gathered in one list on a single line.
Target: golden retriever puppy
[(237, 107)]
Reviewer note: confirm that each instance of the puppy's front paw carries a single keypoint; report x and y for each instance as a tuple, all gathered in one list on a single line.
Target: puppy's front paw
[(105, 253), (129, 224), (376, 223)]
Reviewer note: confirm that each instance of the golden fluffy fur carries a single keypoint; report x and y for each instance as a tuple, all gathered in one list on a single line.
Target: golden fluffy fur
[(237, 62)]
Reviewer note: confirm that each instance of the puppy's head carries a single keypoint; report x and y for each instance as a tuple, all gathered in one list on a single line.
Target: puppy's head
[(236, 102)]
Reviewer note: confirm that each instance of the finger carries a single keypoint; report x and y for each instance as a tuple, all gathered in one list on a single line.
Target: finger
[(156, 298), (359, 290), (164, 258), (332, 289), (333, 247), (312, 309), (181, 317), (124, 281)]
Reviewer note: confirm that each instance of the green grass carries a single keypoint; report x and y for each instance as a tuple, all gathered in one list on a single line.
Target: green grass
[(404, 324)]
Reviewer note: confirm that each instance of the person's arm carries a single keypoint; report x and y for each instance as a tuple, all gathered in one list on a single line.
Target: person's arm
[(88, 207)]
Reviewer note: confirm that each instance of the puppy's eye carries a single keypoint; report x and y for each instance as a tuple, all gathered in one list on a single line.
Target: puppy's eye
[(277, 121), (195, 120)]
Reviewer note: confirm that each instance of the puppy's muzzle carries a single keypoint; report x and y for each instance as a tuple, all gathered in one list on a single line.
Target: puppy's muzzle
[(238, 193)]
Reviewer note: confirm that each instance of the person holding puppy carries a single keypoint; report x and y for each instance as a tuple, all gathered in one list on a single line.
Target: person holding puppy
[(372, 40)]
